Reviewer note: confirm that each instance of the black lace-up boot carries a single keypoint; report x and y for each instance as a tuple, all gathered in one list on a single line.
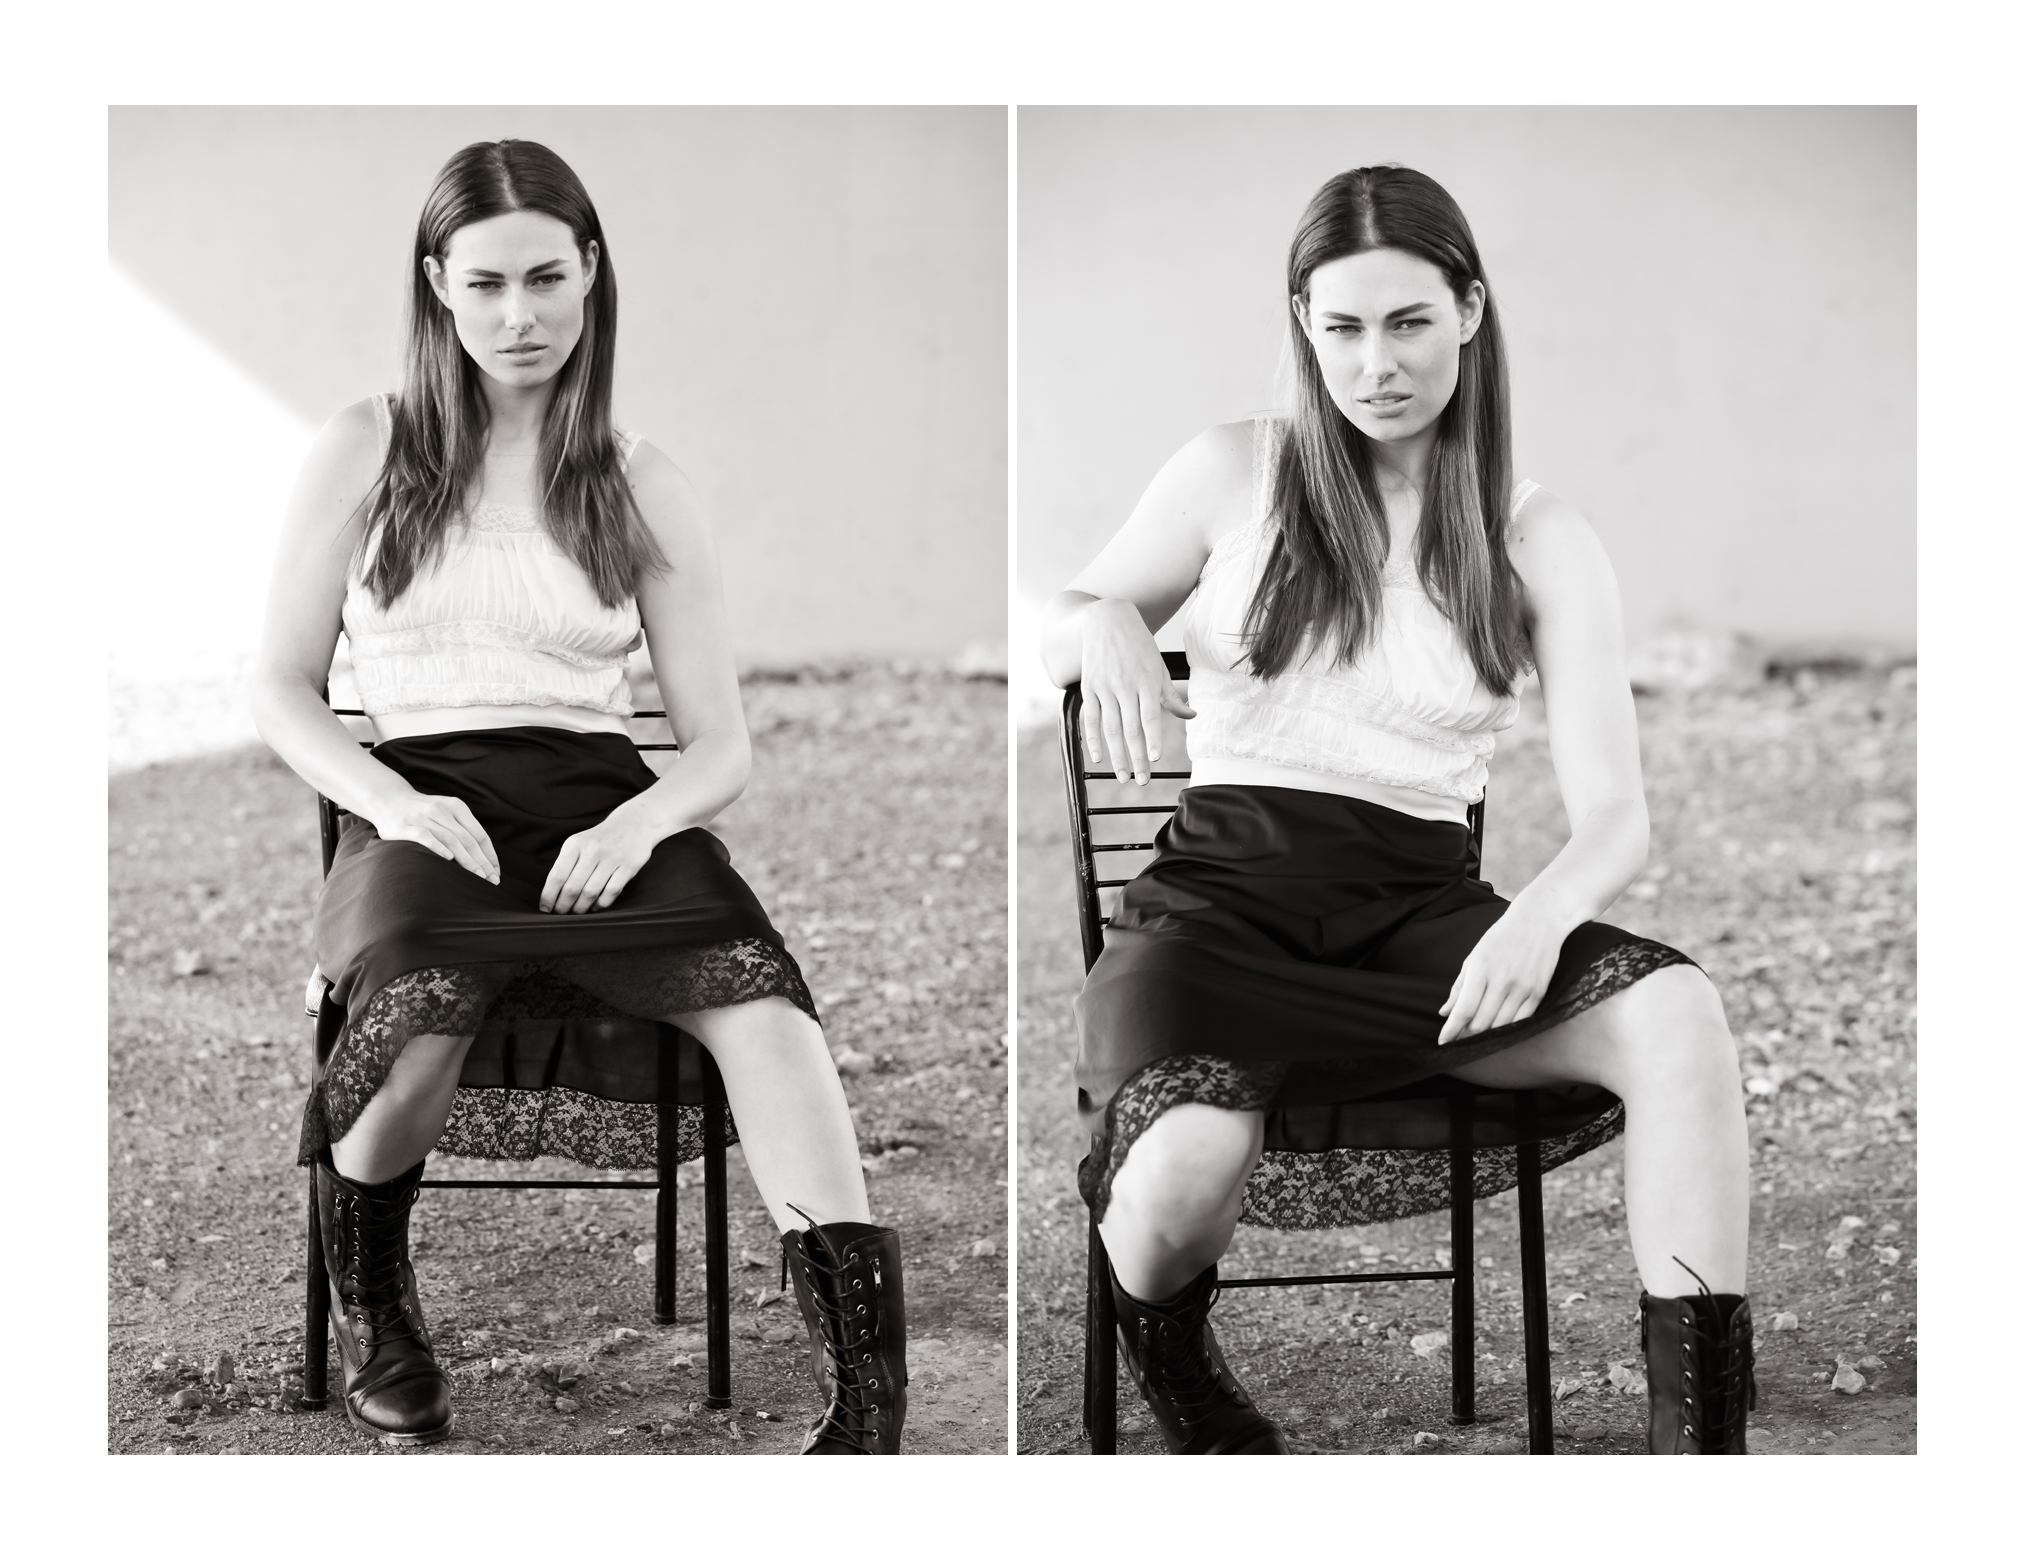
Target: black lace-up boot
[(392, 1385), (848, 1284), (1181, 1374), (1701, 1369)]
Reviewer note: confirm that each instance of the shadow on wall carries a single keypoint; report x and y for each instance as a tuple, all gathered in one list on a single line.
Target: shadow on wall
[(813, 327)]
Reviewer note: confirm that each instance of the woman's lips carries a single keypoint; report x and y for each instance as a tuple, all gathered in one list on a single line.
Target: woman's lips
[(1386, 404)]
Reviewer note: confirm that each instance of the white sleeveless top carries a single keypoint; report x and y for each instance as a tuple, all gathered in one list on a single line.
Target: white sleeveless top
[(1406, 724), (502, 621)]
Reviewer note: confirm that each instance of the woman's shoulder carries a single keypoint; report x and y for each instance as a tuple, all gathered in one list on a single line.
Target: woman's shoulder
[(646, 467), (345, 455), (363, 421), (667, 498), (1551, 543), (1227, 454), (1211, 483)]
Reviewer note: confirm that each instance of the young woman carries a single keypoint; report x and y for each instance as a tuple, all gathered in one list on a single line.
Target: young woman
[(492, 548), (1362, 588)]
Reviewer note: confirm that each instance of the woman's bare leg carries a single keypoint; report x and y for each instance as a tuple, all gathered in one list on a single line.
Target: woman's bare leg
[(1663, 1046), (792, 1117), (405, 1118), (1175, 1201)]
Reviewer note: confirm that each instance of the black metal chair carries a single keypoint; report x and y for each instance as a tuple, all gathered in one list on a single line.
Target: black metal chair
[(1460, 1116), (688, 1077)]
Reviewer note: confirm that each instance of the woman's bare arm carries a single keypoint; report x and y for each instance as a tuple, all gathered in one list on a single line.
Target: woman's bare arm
[(1099, 630), (305, 613), (1577, 639), (683, 613)]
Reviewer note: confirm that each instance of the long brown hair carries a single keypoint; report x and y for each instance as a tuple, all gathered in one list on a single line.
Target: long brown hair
[(1325, 569), (442, 417)]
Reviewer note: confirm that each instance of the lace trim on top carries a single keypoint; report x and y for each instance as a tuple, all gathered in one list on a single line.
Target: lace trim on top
[(1309, 1190), (504, 518), (441, 637)]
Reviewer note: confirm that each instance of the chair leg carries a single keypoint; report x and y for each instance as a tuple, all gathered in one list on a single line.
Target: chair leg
[(316, 1327), (1099, 1350), (1462, 1290), (716, 1257), (1532, 1279), (666, 1147)]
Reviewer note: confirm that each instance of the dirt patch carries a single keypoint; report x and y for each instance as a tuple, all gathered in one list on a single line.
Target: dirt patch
[(874, 833), (1782, 860)]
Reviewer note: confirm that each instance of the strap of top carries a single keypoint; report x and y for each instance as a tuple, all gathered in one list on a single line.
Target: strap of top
[(1521, 494), (1264, 465)]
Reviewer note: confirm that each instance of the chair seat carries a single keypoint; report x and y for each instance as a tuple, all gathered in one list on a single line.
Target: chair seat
[(1421, 1117), (616, 1058)]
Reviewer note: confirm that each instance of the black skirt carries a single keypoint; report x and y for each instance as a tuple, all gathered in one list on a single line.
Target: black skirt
[(413, 943), (1288, 952)]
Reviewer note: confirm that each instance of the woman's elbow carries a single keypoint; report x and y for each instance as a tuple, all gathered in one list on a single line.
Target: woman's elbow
[(270, 690), (737, 764)]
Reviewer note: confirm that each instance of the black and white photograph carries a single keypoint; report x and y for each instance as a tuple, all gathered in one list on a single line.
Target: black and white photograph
[(558, 781), (1465, 676)]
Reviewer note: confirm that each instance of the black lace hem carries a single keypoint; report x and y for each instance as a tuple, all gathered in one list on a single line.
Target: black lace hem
[(1308, 1190), (460, 1000), (495, 1124)]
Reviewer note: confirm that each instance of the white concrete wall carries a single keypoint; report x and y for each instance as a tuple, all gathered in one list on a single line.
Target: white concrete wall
[(812, 324), (1709, 315)]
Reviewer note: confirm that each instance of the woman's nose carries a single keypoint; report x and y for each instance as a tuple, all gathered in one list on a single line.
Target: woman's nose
[(519, 310), (1378, 361)]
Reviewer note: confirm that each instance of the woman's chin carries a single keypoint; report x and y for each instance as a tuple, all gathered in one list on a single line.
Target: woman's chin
[(1389, 429), (522, 378)]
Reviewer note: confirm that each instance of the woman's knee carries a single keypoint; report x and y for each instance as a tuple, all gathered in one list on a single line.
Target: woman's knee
[(1668, 1034), (773, 1019), (1189, 1166)]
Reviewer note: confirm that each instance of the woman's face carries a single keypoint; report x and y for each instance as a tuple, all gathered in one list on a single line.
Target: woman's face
[(1388, 334), (515, 285)]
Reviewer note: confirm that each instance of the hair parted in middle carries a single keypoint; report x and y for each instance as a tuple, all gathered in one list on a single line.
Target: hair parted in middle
[(442, 416), (1324, 573)]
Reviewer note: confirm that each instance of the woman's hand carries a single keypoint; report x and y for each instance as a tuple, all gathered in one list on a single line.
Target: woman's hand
[(444, 825), (596, 865), (1505, 977), (1125, 687)]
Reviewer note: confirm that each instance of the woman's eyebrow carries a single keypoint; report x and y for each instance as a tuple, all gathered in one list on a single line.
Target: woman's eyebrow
[(1396, 313), (494, 275)]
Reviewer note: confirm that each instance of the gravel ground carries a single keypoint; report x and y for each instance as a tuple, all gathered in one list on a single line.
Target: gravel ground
[(874, 832), (1782, 860)]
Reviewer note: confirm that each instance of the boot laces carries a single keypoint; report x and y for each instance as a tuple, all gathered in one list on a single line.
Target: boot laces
[(1179, 1362), (375, 1294), (1730, 1385), (840, 1300)]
